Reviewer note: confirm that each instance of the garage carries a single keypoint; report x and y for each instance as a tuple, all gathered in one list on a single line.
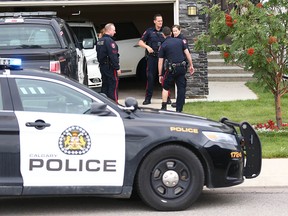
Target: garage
[(99, 11), (140, 12)]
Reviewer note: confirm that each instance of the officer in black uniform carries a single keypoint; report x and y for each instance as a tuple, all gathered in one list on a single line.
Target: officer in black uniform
[(108, 58), (176, 33), (175, 52), (151, 41)]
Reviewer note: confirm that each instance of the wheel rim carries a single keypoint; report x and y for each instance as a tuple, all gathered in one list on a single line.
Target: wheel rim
[(170, 178)]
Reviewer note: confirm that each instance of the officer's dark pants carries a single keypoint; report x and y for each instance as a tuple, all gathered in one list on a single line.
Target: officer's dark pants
[(151, 73), (110, 81), (177, 76)]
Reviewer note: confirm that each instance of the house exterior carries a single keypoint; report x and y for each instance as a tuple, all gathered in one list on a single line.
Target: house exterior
[(140, 12)]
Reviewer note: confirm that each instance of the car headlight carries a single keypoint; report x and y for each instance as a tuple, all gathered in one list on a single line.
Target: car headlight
[(220, 137)]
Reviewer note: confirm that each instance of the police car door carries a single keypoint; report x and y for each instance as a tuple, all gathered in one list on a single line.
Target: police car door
[(61, 146)]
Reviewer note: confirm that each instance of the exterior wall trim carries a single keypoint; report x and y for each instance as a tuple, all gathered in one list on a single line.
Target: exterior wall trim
[(80, 2), (176, 12)]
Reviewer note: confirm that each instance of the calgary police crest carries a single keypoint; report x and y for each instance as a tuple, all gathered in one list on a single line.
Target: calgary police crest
[(74, 141)]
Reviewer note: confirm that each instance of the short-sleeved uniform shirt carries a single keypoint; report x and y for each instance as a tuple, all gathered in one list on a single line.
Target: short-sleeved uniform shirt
[(173, 50), (153, 38), (180, 36)]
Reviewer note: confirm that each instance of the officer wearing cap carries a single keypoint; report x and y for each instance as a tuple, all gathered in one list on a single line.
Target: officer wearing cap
[(175, 52), (151, 41), (108, 58)]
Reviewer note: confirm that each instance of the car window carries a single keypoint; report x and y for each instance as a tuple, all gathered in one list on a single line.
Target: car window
[(84, 32), (45, 96), (74, 37), (69, 41), (28, 36)]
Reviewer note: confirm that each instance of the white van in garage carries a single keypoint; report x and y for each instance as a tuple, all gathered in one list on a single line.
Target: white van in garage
[(132, 57), (84, 30)]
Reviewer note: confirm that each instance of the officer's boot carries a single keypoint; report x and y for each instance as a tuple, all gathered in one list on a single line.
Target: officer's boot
[(169, 100), (164, 106)]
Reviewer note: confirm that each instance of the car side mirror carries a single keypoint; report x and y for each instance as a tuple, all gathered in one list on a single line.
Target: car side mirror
[(131, 104), (88, 43), (99, 109)]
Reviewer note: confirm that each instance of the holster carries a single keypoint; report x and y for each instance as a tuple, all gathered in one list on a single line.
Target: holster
[(172, 66), (166, 65)]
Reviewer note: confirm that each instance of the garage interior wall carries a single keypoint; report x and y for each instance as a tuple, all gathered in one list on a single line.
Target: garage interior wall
[(141, 15)]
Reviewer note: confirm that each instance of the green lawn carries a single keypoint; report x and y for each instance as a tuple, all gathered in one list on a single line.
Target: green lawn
[(274, 144)]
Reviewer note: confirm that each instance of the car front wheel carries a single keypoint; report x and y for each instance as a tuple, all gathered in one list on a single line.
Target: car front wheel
[(170, 178)]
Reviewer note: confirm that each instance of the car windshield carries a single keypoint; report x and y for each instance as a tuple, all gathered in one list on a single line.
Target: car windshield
[(23, 36), (84, 32)]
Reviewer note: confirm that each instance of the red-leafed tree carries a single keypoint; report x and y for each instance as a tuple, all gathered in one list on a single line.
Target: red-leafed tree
[(258, 41)]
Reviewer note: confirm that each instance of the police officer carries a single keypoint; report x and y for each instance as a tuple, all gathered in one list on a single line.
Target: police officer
[(176, 30), (175, 52), (108, 58), (176, 33), (151, 41)]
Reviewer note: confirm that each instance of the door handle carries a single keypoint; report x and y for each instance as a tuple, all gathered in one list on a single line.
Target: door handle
[(38, 124)]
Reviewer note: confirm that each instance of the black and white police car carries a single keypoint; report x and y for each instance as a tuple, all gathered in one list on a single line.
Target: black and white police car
[(58, 137)]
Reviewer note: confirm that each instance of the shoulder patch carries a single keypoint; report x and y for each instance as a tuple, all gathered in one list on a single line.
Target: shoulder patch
[(100, 43)]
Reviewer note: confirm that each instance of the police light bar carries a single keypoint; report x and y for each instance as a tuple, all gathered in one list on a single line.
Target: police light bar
[(27, 14), (10, 62), (14, 20)]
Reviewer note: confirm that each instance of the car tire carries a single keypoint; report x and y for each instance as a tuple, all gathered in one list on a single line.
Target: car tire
[(170, 178)]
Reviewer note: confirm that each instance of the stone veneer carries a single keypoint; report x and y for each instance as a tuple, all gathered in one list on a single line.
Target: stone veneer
[(192, 26)]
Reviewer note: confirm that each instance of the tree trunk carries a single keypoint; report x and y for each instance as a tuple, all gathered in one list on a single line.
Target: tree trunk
[(278, 110)]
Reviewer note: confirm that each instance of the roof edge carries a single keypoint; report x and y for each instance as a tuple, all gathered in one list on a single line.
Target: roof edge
[(80, 2)]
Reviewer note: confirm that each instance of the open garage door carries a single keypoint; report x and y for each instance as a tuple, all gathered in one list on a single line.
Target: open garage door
[(139, 12), (102, 11)]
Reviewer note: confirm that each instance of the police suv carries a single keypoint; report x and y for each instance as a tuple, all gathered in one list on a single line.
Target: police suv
[(43, 41), (58, 137)]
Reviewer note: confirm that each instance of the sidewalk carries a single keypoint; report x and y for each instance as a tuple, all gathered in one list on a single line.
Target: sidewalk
[(274, 173), (218, 91)]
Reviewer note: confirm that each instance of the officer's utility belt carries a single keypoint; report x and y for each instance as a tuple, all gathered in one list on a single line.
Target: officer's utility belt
[(105, 61), (181, 64), (154, 54), (172, 66)]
